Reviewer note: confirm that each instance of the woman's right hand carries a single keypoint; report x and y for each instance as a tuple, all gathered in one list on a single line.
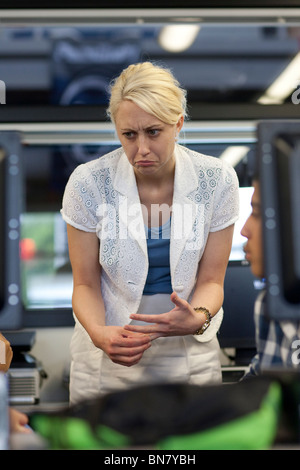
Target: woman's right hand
[(122, 347)]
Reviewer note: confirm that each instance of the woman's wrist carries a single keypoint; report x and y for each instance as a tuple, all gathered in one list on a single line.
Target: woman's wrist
[(207, 319), (96, 335)]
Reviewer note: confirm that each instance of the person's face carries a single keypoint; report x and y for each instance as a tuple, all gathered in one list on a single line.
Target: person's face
[(252, 230), (147, 141)]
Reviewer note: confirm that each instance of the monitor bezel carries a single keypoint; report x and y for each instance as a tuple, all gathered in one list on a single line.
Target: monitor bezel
[(11, 313), (278, 306)]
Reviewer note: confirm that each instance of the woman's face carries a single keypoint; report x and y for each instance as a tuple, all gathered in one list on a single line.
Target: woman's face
[(147, 141)]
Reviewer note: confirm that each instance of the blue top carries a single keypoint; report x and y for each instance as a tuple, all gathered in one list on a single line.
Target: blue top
[(159, 276)]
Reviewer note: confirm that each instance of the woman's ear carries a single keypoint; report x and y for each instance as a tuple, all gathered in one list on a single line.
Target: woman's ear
[(179, 124)]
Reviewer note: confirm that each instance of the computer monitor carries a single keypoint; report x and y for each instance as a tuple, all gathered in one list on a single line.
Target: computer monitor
[(10, 209), (241, 289), (279, 172)]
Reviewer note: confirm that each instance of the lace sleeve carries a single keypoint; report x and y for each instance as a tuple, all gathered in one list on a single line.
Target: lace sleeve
[(226, 206), (80, 203)]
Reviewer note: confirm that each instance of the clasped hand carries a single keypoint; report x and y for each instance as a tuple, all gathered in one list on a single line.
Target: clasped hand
[(181, 320), (122, 347), (126, 345)]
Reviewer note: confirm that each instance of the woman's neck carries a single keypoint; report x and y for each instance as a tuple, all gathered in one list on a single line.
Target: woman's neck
[(156, 197)]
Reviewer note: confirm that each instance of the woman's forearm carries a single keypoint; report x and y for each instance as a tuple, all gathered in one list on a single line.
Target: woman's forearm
[(210, 295), (121, 347), (88, 307)]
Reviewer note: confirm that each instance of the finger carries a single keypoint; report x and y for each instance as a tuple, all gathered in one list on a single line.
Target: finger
[(127, 362), (128, 357), (181, 303), (147, 318), (132, 352), (145, 329), (132, 338), (153, 335), (129, 348), (153, 331)]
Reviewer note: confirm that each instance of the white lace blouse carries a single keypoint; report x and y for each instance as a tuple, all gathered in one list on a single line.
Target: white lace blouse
[(101, 196)]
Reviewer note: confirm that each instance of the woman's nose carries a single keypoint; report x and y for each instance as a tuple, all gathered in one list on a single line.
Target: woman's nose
[(143, 146)]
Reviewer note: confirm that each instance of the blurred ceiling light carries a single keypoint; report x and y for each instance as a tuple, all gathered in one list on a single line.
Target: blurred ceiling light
[(178, 38), (284, 85), (234, 154)]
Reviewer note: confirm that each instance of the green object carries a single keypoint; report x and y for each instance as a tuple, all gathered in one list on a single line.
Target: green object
[(170, 417), (75, 433), (255, 431)]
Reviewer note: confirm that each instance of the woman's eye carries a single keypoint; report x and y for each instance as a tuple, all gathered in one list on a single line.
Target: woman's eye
[(128, 134), (154, 132)]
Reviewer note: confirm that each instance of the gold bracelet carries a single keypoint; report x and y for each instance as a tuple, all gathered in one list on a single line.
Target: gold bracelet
[(206, 324)]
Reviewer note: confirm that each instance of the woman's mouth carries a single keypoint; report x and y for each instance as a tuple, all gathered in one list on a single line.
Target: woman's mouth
[(144, 163)]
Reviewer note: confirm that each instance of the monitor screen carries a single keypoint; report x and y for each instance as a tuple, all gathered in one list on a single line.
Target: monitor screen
[(279, 168), (237, 330), (237, 254), (241, 289), (10, 209)]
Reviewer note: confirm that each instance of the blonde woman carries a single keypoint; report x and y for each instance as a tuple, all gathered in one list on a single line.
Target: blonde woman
[(150, 228)]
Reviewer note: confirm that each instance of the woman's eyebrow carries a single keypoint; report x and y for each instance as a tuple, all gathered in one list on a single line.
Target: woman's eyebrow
[(152, 126)]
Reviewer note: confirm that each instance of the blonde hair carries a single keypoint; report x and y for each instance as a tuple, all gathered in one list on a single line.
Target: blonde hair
[(151, 87)]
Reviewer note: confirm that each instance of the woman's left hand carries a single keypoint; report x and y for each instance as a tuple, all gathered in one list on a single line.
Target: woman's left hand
[(181, 320)]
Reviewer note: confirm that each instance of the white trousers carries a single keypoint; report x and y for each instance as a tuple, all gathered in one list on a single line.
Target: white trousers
[(169, 360)]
